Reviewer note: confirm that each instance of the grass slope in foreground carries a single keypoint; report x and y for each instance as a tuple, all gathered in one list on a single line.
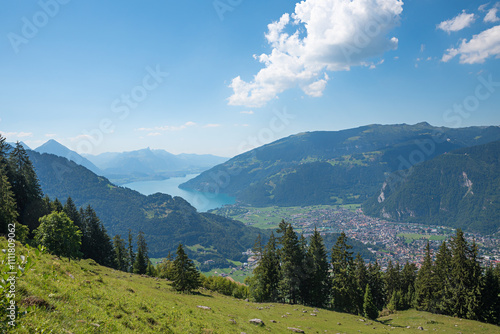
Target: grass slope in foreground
[(83, 297)]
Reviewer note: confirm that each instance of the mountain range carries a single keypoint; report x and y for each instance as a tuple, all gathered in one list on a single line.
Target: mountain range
[(139, 165), (350, 166)]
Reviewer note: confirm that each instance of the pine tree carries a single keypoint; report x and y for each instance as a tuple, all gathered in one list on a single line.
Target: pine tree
[(131, 254), (267, 274), (464, 288), (25, 186), (141, 258), (56, 206), (408, 277), (392, 279), (72, 212), (121, 255), (425, 284), (185, 275), (490, 302), (292, 273), (376, 282), (320, 282), (96, 243), (369, 309), (361, 277), (343, 282), (442, 280), (8, 212)]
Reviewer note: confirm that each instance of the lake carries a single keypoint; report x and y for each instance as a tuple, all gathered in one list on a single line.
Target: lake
[(201, 201)]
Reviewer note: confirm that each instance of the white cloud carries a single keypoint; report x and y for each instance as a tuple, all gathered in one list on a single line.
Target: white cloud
[(482, 8), (327, 35), (249, 112), (168, 127), (491, 16), (16, 134), (154, 134), (481, 46), (457, 23)]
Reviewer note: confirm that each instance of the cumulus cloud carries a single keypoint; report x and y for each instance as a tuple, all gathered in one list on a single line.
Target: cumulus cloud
[(320, 36), (491, 16), (457, 23), (478, 49)]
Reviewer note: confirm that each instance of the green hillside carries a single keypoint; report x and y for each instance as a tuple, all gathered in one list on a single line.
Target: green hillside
[(333, 167), (83, 297), (459, 189), (166, 221)]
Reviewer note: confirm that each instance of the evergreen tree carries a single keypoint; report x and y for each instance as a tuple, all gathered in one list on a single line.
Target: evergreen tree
[(361, 277), (141, 258), (292, 274), (376, 282), (320, 282), (72, 212), (96, 243), (121, 255), (343, 282), (464, 286), (56, 206), (369, 309), (58, 233), (392, 279), (490, 302), (442, 280), (267, 274), (408, 277), (185, 275), (8, 212), (131, 254), (425, 284), (25, 186)]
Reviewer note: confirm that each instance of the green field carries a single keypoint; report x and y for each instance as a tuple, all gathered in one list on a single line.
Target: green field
[(270, 217), (83, 297), (410, 237)]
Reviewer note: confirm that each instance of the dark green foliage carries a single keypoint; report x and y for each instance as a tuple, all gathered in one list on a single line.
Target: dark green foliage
[(376, 282), (490, 301), (319, 283), (58, 233), (131, 254), (369, 309), (25, 186), (465, 191), (185, 276), (292, 269), (141, 261), (443, 279), (343, 282), (361, 276), (425, 284), (8, 212), (96, 243), (72, 212), (121, 256), (267, 274)]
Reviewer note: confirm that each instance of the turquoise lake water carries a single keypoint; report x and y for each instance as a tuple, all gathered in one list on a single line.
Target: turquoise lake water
[(201, 201)]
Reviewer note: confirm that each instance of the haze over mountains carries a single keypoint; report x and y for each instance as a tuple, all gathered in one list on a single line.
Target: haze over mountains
[(145, 164)]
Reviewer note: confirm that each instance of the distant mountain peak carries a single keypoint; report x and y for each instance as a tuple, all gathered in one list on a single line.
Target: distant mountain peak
[(52, 146)]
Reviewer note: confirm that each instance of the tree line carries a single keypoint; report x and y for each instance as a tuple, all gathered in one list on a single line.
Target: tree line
[(291, 271)]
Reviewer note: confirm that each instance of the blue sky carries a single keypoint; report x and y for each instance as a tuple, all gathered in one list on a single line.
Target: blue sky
[(224, 76)]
